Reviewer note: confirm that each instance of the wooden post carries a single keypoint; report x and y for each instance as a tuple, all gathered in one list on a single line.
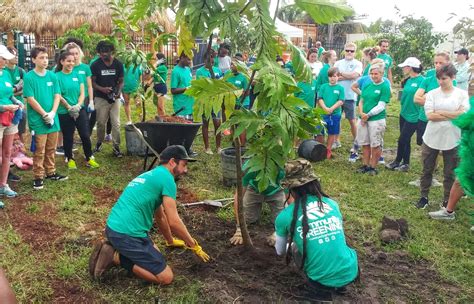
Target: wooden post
[(10, 39)]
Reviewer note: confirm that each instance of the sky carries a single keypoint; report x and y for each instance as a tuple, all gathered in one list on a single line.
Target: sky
[(437, 12)]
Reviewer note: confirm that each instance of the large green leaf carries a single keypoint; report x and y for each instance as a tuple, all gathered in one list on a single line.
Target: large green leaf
[(209, 95), (185, 41), (265, 43), (301, 65), (326, 11)]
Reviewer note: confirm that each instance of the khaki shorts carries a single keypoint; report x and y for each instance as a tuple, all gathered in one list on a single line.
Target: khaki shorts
[(11, 129), (371, 133), (253, 203)]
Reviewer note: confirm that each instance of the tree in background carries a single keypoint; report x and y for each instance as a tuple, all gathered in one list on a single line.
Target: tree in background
[(413, 37)]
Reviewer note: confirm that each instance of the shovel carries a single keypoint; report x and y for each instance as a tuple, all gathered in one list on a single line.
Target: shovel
[(214, 203), (205, 202)]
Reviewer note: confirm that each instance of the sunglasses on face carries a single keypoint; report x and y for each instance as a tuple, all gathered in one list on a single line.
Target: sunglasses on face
[(350, 51)]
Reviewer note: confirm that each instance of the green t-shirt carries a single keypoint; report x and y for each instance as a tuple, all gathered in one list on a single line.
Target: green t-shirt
[(161, 74), (331, 94), (410, 111), (42, 89), (323, 76), (15, 74), (241, 82), (388, 62), (372, 94), (249, 180), (367, 70), (133, 213), (202, 72), (6, 88), (308, 92), (329, 260), (131, 79), (181, 78), (70, 86), (84, 71), (320, 51), (429, 83)]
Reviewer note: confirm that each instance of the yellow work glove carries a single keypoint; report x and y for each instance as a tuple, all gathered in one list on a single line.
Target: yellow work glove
[(177, 243), (197, 249)]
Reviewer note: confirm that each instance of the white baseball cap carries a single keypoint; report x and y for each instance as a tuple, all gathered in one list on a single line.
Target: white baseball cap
[(410, 62), (4, 53)]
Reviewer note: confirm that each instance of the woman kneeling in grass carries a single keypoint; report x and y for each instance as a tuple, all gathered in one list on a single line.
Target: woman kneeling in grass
[(313, 225)]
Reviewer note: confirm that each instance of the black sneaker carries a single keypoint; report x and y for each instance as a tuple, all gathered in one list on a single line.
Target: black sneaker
[(38, 184), (192, 153), (60, 150), (98, 147), (393, 165), (403, 168), (56, 177), (13, 178), (372, 171), (116, 152), (422, 203), (363, 169)]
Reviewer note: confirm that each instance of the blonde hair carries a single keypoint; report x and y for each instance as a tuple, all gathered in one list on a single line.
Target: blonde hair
[(378, 64), (443, 54), (72, 45), (351, 44)]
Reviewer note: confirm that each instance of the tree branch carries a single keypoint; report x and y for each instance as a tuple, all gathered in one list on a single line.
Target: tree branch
[(245, 7)]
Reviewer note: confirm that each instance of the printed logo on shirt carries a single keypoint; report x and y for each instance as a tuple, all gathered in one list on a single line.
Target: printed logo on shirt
[(81, 72), (111, 72), (238, 82), (322, 229), (49, 83), (414, 85), (377, 92), (336, 91), (17, 78), (8, 85), (75, 79)]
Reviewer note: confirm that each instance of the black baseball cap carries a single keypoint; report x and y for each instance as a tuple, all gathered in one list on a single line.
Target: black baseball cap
[(462, 51), (177, 152)]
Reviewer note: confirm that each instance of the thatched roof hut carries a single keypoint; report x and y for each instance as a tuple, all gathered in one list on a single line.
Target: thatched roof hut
[(58, 16)]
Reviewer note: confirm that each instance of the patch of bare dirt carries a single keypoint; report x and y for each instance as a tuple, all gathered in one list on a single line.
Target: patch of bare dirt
[(239, 276), (67, 292), (105, 196), (34, 222)]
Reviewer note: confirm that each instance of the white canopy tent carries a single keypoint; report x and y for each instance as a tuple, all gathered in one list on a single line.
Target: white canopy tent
[(288, 30)]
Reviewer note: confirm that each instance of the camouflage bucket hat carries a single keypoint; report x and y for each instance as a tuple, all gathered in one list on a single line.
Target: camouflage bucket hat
[(297, 173)]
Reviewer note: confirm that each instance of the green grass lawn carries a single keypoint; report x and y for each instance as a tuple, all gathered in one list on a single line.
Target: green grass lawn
[(76, 210)]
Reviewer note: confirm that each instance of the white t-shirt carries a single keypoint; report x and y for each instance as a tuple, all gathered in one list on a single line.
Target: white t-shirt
[(224, 64), (444, 135), (348, 66), (316, 68)]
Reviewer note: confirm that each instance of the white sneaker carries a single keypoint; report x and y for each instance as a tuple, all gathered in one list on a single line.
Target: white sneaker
[(442, 214), (434, 183), (128, 123), (209, 151)]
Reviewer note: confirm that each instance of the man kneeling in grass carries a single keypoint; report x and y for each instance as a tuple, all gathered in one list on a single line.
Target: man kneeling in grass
[(131, 218)]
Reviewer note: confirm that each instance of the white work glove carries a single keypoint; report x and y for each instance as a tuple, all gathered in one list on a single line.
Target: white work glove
[(271, 240), (48, 118), (91, 106), (237, 238), (74, 111)]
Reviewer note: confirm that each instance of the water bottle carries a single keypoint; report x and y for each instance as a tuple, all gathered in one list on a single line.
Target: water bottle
[(18, 116), (33, 142)]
